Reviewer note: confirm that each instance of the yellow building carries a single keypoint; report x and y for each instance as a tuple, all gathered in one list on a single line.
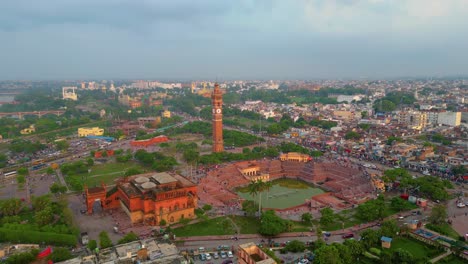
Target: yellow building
[(90, 131), (166, 114), (295, 156), (29, 130)]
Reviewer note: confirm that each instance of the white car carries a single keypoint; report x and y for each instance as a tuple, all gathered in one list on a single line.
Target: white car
[(461, 205), (208, 256), (229, 254)]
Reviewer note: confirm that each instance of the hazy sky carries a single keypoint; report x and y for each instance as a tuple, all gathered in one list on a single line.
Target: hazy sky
[(232, 39)]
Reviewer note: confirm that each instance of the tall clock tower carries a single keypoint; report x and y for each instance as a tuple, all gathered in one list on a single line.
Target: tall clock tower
[(217, 103)]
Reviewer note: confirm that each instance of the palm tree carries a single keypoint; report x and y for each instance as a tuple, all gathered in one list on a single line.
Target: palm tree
[(256, 187), (268, 185)]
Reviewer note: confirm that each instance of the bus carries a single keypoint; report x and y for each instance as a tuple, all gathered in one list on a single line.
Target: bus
[(10, 174), (38, 161)]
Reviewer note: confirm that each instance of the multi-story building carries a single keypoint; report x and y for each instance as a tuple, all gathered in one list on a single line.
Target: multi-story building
[(449, 118), (148, 198), (90, 131), (413, 119), (250, 253)]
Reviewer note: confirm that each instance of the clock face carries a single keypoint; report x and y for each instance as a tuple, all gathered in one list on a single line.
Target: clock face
[(218, 111)]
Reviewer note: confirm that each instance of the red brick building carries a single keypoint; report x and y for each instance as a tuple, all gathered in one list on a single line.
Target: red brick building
[(148, 198)]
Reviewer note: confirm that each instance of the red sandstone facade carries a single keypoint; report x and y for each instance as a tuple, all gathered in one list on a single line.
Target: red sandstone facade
[(149, 142), (217, 103), (148, 198)]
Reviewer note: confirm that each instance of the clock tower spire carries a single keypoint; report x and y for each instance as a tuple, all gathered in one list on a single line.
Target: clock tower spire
[(217, 104)]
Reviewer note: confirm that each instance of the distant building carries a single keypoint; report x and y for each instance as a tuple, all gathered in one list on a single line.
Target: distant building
[(250, 253), (151, 120), (28, 130), (449, 118), (413, 119), (166, 114), (90, 131), (69, 93), (348, 98)]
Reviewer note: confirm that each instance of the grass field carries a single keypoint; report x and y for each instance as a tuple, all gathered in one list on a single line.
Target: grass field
[(210, 227), (285, 193), (106, 173), (444, 229), (247, 225), (418, 249)]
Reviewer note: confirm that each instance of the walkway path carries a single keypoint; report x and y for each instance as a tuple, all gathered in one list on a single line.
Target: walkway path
[(434, 260), (61, 179)]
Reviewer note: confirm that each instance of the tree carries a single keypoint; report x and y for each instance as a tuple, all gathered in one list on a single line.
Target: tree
[(255, 188), (355, 248), (44, 217), (3, 160), (207, 207), (21, 258), (92, 245), (327, 216), (399, 204), (327, 255), (23, 171), (295, 246), (403, 256), (271, 224), (162, 222), (438, 214), (104, 240), (132, 171), (10, 207), (129, 237), (459, 170), (306, 218), (40, 202), (389, 228), (370, 238), (62, 145), (352, 135), (345, 253), (60, 254), (90, 161), (249, 207), (57, 188)]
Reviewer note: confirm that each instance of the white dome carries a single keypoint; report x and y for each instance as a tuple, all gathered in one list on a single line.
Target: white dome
[(148, 185), (141, 180)]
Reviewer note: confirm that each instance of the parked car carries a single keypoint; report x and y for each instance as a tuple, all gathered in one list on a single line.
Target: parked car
[(207, 256), (223, 254), (202, 257), (349, 235), (215, 255), (230, 255)]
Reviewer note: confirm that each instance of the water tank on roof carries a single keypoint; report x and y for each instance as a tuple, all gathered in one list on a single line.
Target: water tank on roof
[(148, 185), (141, 180)]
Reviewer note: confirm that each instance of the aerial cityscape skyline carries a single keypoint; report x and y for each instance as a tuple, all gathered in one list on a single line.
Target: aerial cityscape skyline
[(233, 40)]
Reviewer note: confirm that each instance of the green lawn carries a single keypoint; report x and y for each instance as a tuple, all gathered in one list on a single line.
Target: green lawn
[(247, 225), (418, 249), (210, 227), (106, 173), (444, 229)]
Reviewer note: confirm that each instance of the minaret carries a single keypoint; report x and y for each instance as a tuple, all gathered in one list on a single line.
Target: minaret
[(217, 103)]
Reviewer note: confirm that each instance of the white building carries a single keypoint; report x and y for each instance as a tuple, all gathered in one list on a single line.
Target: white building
[(348, 98), (449, 118)]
